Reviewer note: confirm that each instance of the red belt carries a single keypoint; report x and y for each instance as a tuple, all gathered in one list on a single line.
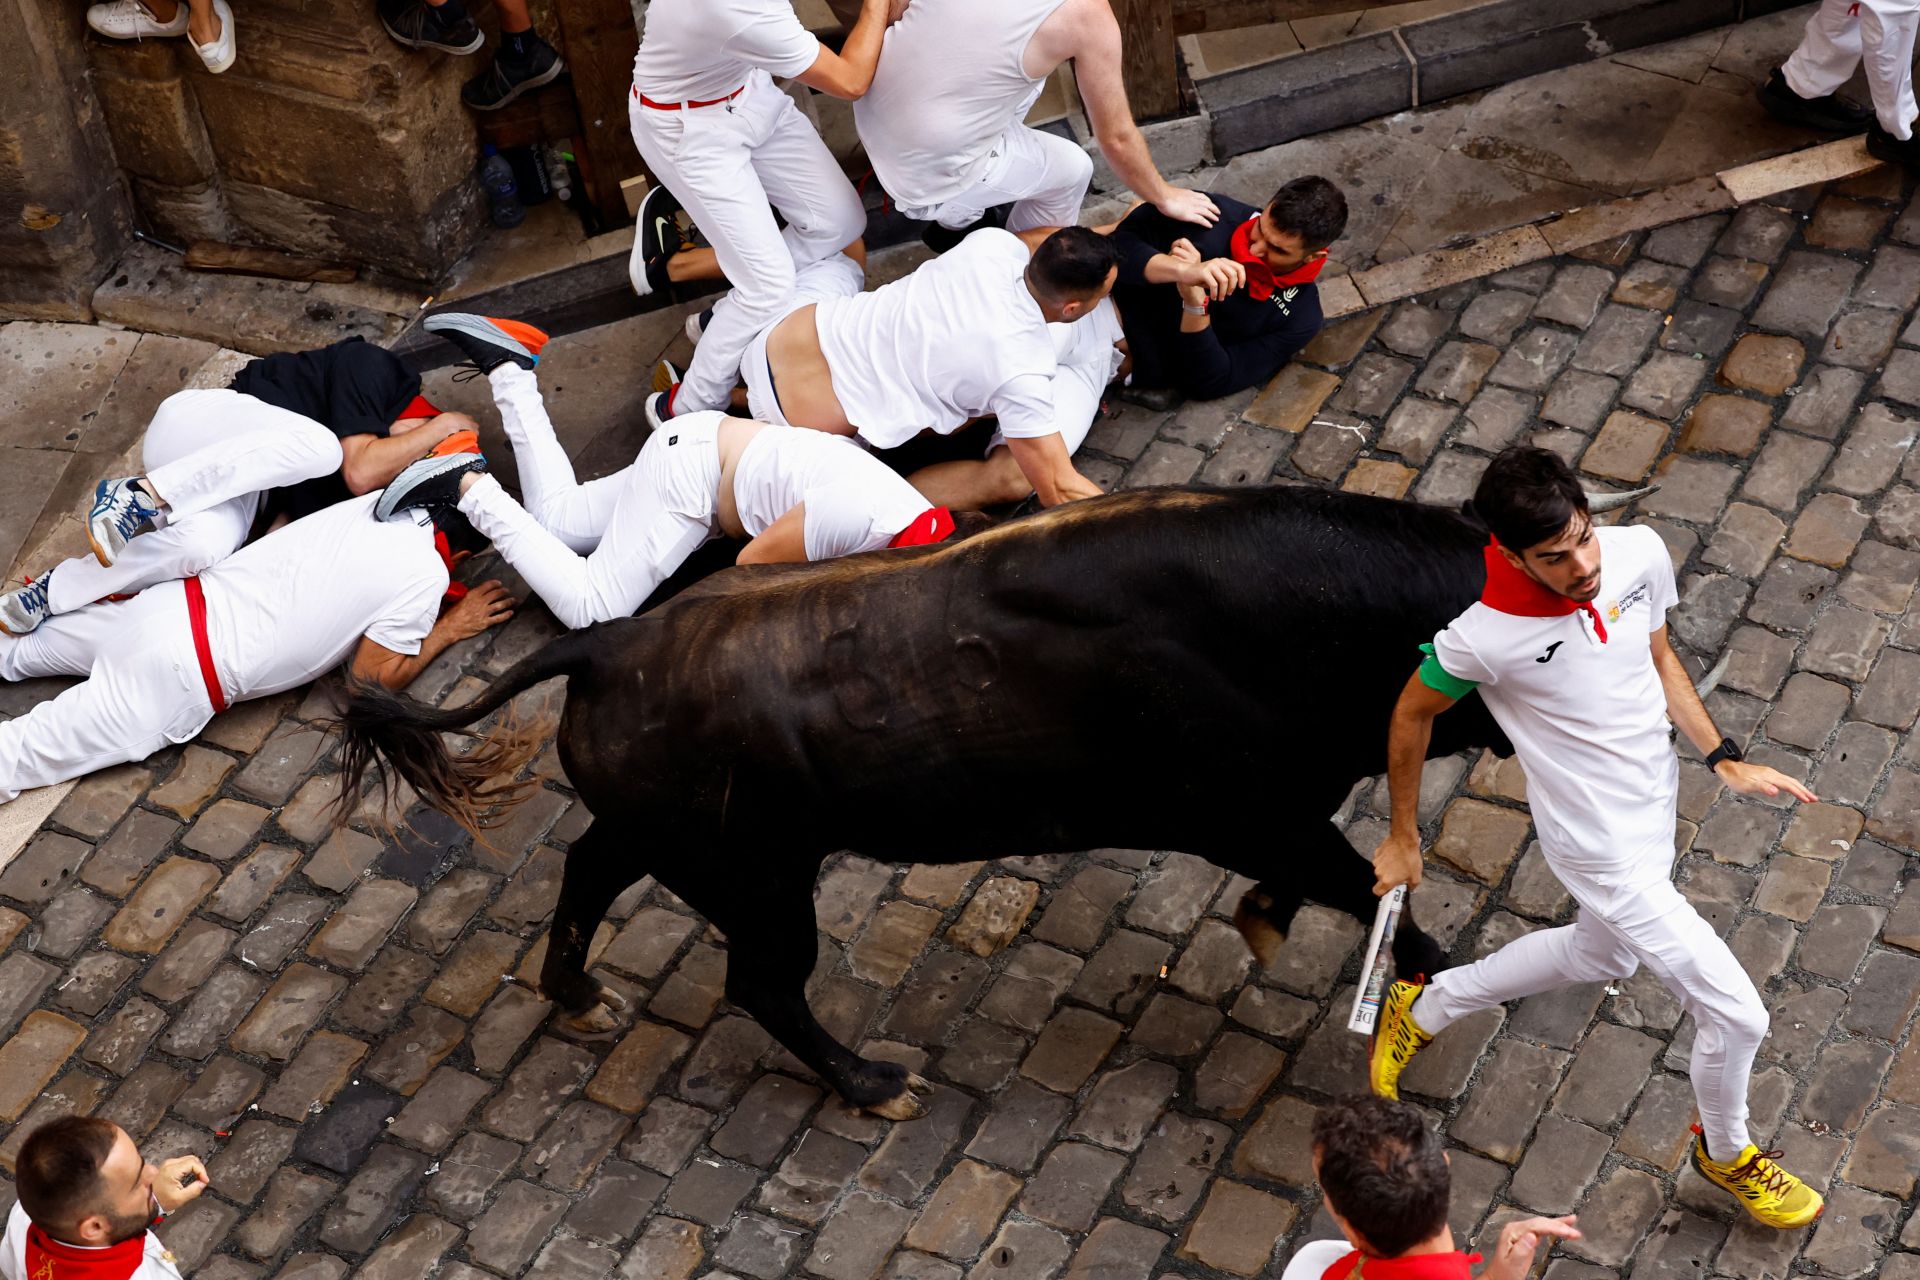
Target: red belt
[(202, 649), (645, 101)]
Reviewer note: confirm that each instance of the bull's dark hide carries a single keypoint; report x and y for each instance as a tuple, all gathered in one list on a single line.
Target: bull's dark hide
[(1201, 670)]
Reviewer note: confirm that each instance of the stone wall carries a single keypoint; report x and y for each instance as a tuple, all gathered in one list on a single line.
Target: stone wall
[(325, 138), (64, 212)]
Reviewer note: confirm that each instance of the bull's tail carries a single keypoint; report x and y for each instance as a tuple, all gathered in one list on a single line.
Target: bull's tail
[(392, 734)]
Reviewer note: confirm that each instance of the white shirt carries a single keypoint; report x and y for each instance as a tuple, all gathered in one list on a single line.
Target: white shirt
[(295, 604), (957, 338), (156, 1263), (1588, 720), (700, 50), (1311, 1260), (950, 82), (854, 501)]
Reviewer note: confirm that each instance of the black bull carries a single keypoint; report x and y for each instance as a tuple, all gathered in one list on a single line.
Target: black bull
[(1206, 671)]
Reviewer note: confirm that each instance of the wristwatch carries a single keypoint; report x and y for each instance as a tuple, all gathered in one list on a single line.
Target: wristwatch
[(1727, 750)]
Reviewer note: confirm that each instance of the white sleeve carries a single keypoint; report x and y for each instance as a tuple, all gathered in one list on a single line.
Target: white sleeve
[(1024, 405), (13, 1249), (406, 622), (1311, 1260), (773, 38), (1666, 593), (1457, 656)]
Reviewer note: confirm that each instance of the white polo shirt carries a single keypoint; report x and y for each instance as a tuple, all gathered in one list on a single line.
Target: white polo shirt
[(959, 337), (1588, 719), (700, 50)]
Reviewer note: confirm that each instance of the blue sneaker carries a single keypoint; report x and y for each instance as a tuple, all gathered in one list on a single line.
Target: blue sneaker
[(25, 608), (121, 512), (433, 483)]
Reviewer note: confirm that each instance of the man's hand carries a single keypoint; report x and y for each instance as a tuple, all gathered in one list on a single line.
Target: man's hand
[(167, 1189), (1396, 862), (487, 605), (1217, 278), (1183, 205), (1513, 1255), (1762, 780)]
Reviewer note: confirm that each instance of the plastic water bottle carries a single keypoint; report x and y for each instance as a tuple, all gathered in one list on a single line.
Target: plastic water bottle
[(558, 175), (496, 175)]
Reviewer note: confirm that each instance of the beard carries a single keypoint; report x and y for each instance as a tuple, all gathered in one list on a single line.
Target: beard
[(122, 1227)]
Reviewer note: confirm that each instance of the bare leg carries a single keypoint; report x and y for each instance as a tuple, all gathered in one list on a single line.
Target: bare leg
[(162, 10), (203, 26), (703, 264), (514, 17), (969, 486)]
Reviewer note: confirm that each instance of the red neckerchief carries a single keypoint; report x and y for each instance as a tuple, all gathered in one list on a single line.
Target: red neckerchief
[(1511, 591), (456, 591), (1424, 1266), (930, 526), (50, 1259), (419, 407), (1261, 282)]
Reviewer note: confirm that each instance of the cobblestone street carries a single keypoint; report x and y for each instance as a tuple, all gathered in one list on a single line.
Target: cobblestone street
[(343, 1025)]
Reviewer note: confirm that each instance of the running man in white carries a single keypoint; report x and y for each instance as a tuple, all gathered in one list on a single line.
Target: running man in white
[(88, 1204), (1568, 648), (725, 142), (335, 586), (967, 334), (943, 127), (293, 433), (595, 551), (1840, 36)]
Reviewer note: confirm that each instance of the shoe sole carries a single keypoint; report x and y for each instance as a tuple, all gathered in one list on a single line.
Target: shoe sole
[(457, 50), (1693, 1158), (99, 548), (546, 77), (6, 630), (511, 336), (665, 376), (431, 468)]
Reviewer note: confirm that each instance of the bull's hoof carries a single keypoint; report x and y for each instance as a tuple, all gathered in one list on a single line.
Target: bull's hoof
[(1250, 918), (598, 1020), (907, 1104)]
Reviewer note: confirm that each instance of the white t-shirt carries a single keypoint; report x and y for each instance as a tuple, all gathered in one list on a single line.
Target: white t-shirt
[(700, 50), (854, 501), (154, 1262), (1588, 719), (1311, 1260), (950, 82), (295, 604), (957, 338)]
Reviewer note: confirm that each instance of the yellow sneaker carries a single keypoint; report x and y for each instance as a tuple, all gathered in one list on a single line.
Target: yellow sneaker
[(1771, 1194), (1396, 1038)]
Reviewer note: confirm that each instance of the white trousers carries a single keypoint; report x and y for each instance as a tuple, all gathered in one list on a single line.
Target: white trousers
[(211, 455), (1619, 928), (142, 691), (596, 551), (1088, 361), (725, 163), (1042, 175), (1841, 36), (835, 277)]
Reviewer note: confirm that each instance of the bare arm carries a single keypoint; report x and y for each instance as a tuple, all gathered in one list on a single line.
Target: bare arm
[(371, 462), (1048, 467), (1512, 1257), (1103, 91), (1690, 716), (849, 73), (486, 605), (1397, 861), (782, 542)]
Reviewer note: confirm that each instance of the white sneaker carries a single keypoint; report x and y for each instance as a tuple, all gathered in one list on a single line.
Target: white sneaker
[(219, 53), (129, 20)]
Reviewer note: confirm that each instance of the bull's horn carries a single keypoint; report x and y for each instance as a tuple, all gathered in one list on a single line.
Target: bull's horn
[(1598, 501), (1711, 681)]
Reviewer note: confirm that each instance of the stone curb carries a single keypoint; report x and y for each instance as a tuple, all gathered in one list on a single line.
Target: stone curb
[(1351, 81)]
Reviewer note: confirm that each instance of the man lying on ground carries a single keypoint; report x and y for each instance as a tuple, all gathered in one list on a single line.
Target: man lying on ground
[(87, 1203), (961, 337), (295, 432), (274, 615), (1210, 312), (596, 551)]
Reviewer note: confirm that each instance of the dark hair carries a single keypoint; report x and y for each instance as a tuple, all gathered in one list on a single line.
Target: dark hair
[(1382, 1170), (1072, 264), (1311, 208), (461, 535), (57, 1174), (1527, 496)]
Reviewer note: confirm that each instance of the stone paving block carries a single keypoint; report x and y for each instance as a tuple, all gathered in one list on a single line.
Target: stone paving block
[(1861, 338), (961, 1212), (994, 915), (198, 1029), (1414, 329), (1881, 1002), (1900, 378), (1579, 400), (1501, 1112), (438, 1112), (1563, 1158), (854, 1243), (1725, 424), (191, 1234), (1806, 294), (185, 964), (1371, 386), (566, 1154), (292, 1199), (310, 1081), (907, 1161), (388, 985), (716, 1074), (414, 1249), (142, 1098), (1656, 286), (1853, 1233), (281, 763), (1534, 359), (98, 801), (39, 872), (225, 830), (1792, 887), (469, 1173), (1882, 578), (1625, 448), (509, 1234), (193, 781), (935, 997), (1845, 1079), (1077, 911), (1725, 282), (1247, 456), (290, 1008), (1575, 295), (1701, 329), (1291, 400), (1237, 1229), (1615, 1216), (69, 922), (1379, 478), (1165, 463), (1745, 540), (1457, 371), (1896, 814), (351, 936), (32, 1057), (1481, 839), (768, 1115), (1496, 315), (448, 907), (1415, 427), (1664, 384), (1495, 417), (338, 863)]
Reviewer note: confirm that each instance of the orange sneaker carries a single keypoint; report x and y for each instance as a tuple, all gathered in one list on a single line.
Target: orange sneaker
[(487, 341)]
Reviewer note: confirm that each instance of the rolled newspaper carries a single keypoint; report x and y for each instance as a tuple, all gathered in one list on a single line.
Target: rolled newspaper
[(1373, 982)]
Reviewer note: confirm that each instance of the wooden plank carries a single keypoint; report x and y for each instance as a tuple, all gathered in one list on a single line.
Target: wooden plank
[(600, 40), (1147, 57), (246, 260), (1190, 16)]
